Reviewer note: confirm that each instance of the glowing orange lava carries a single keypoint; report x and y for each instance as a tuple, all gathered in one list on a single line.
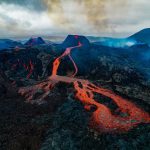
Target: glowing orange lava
[(102, 118), (67, 52)]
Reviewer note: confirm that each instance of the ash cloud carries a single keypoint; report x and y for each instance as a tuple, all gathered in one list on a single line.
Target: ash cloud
[(62, 17)]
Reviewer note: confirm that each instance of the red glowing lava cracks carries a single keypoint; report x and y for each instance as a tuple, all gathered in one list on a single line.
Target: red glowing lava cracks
[(102, 118), (29, 67)]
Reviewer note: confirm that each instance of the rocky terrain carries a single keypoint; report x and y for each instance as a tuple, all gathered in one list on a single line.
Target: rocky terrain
[(40, 111)]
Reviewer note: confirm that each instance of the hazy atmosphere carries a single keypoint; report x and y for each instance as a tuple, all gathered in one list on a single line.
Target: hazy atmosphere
[(61, 17)]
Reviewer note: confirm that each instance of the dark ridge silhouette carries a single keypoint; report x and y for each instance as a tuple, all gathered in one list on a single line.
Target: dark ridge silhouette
[(35, 41), (142, 36), (8, 44), (73, 40)]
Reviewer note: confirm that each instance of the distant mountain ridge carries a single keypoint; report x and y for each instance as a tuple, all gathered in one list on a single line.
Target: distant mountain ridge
[(142, 36)]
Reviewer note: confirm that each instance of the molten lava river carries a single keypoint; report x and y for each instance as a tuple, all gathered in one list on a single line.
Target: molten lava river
[(102, 119)]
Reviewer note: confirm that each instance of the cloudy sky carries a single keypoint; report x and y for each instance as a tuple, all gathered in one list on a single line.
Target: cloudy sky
[(116, 18)]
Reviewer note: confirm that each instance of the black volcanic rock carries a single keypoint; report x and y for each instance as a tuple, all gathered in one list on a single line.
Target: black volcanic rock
[(142, 36), (35, 41), (73, 40), (6, 88)]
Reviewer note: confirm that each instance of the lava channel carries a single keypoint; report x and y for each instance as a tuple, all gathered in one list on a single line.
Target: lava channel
[(102, 118)]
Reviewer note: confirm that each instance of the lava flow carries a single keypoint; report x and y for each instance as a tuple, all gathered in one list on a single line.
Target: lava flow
[(67, 52), (102, 118)]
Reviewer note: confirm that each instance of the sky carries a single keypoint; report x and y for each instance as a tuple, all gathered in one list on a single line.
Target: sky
[(115, 18)]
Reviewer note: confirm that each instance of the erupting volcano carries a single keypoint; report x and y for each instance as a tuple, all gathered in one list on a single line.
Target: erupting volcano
[(102, 119), (74, 75)]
